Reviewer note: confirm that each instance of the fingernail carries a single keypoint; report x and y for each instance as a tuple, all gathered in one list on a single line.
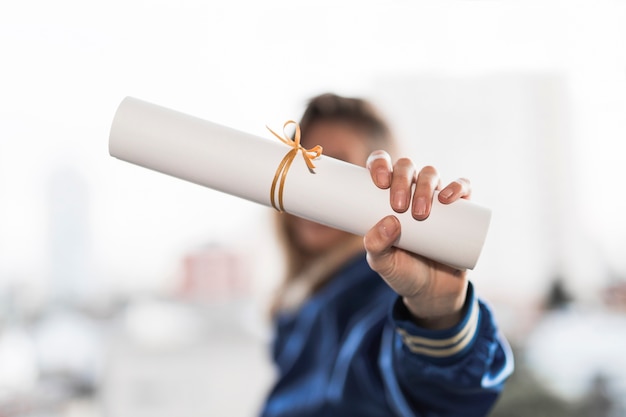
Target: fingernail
[(447, 193), (400, 200), (420, 207), (382, 177), (388, 227)]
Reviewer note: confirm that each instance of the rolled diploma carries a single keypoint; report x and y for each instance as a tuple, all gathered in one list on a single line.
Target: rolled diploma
[(338, 194)]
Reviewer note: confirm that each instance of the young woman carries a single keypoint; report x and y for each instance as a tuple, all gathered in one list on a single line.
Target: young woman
[(364, 328)]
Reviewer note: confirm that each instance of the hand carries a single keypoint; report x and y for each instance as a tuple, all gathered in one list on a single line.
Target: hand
[(434, 293)]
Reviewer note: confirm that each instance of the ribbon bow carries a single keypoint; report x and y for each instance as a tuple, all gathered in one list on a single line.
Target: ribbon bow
[(281, 172)]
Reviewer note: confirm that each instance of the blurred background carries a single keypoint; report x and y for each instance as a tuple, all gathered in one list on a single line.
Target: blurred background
[(124, 292)]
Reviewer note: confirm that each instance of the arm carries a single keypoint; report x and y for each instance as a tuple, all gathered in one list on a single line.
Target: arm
[(450, 372), (441, 354)]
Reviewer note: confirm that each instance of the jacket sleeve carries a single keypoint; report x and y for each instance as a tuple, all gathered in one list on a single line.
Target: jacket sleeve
[(444, 373)]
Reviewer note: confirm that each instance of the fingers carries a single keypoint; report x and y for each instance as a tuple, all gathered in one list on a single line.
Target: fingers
[(379, 165), (427, 182), (400, 178), (460, 188), (401, 184)]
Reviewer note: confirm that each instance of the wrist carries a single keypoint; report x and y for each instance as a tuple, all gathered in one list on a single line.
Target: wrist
[(437, 314), (440, 345)]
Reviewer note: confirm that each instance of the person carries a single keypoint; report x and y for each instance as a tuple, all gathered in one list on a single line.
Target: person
[(366, 329)]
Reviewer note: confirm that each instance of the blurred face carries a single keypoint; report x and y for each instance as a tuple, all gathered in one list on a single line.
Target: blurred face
[(342, 141)]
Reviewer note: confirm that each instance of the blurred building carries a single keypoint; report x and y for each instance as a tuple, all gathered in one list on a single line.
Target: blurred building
[(69, 240), (214, 273), (195, 353)]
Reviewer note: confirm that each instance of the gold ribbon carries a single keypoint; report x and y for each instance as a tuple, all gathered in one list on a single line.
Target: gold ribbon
[(281, 172)]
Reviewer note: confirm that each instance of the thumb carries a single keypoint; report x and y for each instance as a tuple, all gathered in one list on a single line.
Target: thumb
[(379, 242)]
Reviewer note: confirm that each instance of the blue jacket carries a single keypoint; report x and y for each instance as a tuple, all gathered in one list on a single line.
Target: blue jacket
[(352, 350)]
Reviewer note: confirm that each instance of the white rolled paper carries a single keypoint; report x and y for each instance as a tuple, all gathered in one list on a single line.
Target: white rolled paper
[(338, 194)]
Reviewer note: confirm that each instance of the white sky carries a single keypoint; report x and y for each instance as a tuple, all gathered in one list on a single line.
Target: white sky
[(66, 65)]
